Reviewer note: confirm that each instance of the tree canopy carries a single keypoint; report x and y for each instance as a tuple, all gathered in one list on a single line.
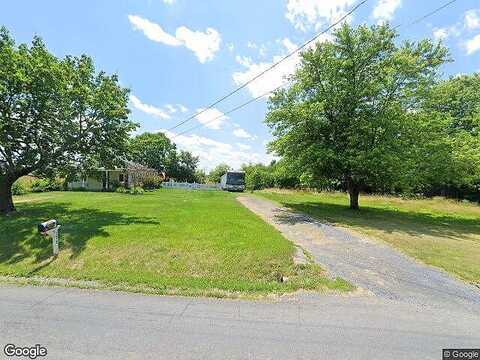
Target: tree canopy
[(56, 114), (154, 150), (449, 159), (185, 166), (157, 151), (276, 174), (349, 112), (216, 173), (459, 99)]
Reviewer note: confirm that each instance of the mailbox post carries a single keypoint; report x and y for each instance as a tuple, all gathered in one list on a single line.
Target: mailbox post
[(50, 228)]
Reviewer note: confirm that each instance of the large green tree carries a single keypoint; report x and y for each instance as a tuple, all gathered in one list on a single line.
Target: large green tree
[(157, 151), (184, 167), (56, 114), (346, 115), (154, 150)]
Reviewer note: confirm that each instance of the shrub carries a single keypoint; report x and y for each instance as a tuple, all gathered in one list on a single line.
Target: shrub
[(114, 185), (284, 177), (152, 182), (121, 190), (44, 185), (19, 188), (258, 177), (39, 185), (23, 185), (254, 180), (137, 191)]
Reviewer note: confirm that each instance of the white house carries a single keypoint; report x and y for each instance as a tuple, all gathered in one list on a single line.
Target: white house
[(103, 179)]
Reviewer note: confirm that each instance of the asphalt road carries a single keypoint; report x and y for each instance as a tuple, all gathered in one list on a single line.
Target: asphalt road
[(89, 324)]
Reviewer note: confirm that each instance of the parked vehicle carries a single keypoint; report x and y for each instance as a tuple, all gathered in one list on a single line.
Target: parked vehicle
[(233, 181)]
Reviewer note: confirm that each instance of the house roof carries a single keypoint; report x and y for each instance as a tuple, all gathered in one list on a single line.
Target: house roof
[(130, 166)]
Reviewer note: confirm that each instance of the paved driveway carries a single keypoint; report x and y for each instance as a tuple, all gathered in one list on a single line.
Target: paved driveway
[(374, 266)]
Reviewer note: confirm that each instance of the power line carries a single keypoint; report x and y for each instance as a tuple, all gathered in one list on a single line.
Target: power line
[(416, 21), (271, 66), (228, 112), (433, 12)]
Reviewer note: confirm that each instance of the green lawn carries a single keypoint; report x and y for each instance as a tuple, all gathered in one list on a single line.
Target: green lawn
[(169, 241), (439, 232)]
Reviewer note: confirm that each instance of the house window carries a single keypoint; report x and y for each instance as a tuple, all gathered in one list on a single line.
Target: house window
[(121, 178)]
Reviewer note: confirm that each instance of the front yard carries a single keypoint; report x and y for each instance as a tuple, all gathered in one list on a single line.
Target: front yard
[(167, 242)]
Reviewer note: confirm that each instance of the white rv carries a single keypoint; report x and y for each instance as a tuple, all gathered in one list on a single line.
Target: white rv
[(233, 181)]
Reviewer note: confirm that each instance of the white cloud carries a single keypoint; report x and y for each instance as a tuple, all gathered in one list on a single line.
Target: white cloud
[(274, 77), (269, 81), (211, 118), (305, 14), (244, 60), (440, 34), (182, 108), (160, 112), (212, 152), (241, 133), (472, 19), (471, 22), (203, 44), (262, 51), (153, 31), (169, 2), (148, 109), (289, 45), (262, 48), (244, 146), (445, 32), (171, 109), (385, 9), (473, 45)]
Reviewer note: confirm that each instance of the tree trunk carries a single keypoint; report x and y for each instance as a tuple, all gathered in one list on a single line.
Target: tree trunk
[(6, 200), (354, 192)]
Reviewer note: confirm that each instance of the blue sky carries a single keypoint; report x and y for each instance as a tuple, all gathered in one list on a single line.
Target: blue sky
[(178, 56)]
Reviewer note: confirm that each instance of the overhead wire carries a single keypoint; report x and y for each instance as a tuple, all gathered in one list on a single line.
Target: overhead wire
[(416, 21), (275, 64), (229, 112)]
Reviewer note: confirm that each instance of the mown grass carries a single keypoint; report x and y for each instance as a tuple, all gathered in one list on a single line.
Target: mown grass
[(439, 232), (168, 241)]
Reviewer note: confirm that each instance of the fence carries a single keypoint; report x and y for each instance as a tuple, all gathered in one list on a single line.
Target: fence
[(185, 185)]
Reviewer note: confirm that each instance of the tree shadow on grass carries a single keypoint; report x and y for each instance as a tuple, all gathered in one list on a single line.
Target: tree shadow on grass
[(19, 239), (388, 220)]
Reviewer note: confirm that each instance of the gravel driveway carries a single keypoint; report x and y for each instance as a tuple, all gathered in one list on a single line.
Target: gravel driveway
[(371, 265)]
